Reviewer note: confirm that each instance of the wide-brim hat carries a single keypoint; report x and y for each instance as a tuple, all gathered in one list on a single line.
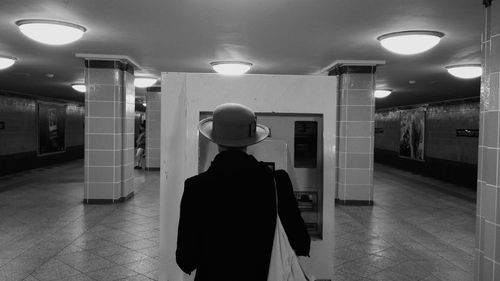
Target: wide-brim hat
[(233, 125)]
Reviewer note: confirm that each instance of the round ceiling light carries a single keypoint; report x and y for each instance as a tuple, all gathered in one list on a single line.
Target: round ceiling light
[(51, 32), (80, 87), (6, 62), (465, 71), (382, 93), (410, 42), (231, 67), (144, 82)]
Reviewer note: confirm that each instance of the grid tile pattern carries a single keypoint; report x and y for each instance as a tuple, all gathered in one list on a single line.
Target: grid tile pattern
[(153, 129), (414, 232), (109, 133), (356, 107), (487, 253), (48, 234)]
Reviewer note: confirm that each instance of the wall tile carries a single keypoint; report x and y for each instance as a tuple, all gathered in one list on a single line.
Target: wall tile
[(101, 191), (482, 223), (497, 269), (358, 160), (488, 202), (358, 129), (490, 131), (359, 145), (495, 18), (103, 76), (100, 125), (359, 113), (101, 92), (100, 109), (358, 192), (101, 158), (489, 165), (358, 176), (100, 174), (494, 60), (359, 81), (489, 240), (359, 97), (486, 270)]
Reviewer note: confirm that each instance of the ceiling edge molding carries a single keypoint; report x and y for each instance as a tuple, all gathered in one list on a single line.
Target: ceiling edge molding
[(121, 58), (339, 63)]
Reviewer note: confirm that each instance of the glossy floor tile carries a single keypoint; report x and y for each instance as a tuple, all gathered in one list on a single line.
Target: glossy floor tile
[(418, 229), (46, 233), (415, 231)]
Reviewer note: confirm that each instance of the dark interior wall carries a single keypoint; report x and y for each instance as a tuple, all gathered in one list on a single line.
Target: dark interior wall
[(19, 133), (447, 156)]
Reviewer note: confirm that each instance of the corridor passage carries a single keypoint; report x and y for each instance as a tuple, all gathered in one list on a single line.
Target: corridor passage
[(413, 232)]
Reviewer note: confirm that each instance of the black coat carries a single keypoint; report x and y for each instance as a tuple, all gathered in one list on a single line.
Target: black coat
[(228, 218)]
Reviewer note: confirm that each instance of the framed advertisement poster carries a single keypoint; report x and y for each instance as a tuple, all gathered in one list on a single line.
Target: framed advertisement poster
[(412, 134), (51, 128)]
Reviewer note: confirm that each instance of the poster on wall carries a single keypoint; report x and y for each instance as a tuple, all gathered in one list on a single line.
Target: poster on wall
[(411, 140), (51, 127)]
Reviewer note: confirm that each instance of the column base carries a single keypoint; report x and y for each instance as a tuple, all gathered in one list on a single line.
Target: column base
[(152, 169), (354, 202), (108, 201)]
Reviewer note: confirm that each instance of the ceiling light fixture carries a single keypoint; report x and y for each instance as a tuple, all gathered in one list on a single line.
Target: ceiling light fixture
[(465, 71), (382, 93), (231, 67), (6, 62), (51, 32), (144, 104), (80, 87), (144, 82), (410, 42)]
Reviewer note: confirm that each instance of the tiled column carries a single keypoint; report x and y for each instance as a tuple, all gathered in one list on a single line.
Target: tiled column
[(355, 122), (153, 127), (109, 131), (487, 255)]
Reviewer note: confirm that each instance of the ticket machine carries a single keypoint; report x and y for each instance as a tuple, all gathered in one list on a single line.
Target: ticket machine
[(295, 145)]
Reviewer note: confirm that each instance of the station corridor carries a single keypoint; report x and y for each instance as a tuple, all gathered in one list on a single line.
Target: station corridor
[(418, 229)]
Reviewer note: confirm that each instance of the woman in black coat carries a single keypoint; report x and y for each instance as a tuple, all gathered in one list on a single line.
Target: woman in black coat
[(228, 213)]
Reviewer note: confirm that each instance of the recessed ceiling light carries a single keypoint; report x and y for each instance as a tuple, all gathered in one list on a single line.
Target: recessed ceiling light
[(465, 71), (80, 87), (382, 93), (144, 104), (144, 82), (6, 62), (231, 67), (410, 42), (51, 32)]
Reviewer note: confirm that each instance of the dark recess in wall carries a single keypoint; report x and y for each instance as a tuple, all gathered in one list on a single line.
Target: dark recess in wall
[(459, 173), (13, 163)]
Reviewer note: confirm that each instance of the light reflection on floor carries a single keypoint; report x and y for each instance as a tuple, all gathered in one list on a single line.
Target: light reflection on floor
[(411, 233)]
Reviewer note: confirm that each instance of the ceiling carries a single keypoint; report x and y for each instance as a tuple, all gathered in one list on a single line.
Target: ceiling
[(277, 36)]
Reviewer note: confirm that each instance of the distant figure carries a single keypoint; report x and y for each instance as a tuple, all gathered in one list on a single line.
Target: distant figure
[(228, 213), (140, 146)]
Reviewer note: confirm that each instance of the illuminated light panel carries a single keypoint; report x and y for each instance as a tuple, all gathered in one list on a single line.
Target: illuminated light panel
[(410, 42), (382, 93), (79, 87), (231, 67), (144, 82), (465, 71), (51, 32), (6, 62)]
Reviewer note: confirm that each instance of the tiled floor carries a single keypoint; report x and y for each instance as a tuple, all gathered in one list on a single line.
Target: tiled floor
[(412, 233), (46, 233)]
